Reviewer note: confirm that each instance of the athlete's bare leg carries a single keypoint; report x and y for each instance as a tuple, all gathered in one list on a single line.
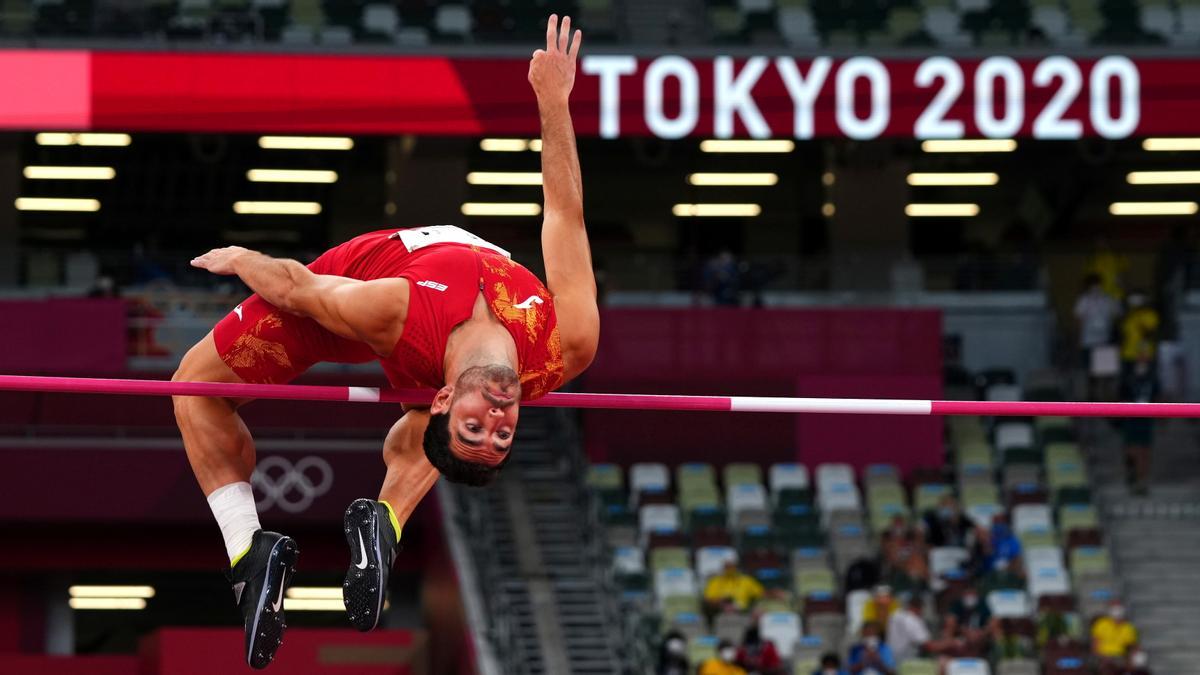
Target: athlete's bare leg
[(409, 474), (218, 444)]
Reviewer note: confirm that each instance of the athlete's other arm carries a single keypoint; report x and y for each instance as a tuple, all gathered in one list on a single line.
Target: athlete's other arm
[(368, 311), (565, 249)]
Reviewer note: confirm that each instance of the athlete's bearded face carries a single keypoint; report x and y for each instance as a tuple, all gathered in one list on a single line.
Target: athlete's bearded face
[(482, 409)]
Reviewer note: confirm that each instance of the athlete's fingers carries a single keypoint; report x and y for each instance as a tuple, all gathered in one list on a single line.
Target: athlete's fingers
[(551, 32), (564, 34), (575, 43)]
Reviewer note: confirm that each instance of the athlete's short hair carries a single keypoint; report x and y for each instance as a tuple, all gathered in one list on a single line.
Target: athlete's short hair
[(453, 467)]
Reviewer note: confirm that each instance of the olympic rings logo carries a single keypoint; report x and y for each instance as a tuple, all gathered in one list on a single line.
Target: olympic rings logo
[(291, 487)]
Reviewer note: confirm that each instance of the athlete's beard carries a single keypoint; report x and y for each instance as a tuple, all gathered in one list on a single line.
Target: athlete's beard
[(496, 376)]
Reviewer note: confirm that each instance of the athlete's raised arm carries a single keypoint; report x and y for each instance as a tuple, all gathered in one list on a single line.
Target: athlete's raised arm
[(565, 248), (368, 311)]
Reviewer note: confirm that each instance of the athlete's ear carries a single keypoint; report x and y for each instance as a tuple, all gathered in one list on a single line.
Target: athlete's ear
[(441, 400)]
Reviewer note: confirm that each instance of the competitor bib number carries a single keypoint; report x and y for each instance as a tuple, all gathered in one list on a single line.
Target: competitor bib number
[(421, 237)]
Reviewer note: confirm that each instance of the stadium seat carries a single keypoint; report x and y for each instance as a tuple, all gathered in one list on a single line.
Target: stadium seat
[(1009, 604), (841, 497), (1032, 518), (834, 474), (731, 626), (1021, 476), (691, 624), (788, 475), (1087, 561), (605, 477), (917, 667), (1077, 516), (975, 454), (743, 497), (809, 647), (453, 21), (675, 581), (1043, 556), (695, 474), (876, 473), (946, 559), (928, 495), (1048, 581), (628, 560), (670, 556), (798, 27), (658, 518), (809, 581), (782, 629), (741, 473), (809, 558), (1014, 435), (649, 476), (967, 667), (711, 560), (983, 514), (702, 648), (1002, 392), (380, 21)]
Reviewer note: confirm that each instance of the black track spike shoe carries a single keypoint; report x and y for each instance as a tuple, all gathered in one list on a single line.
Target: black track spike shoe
[(372, 540), (259, 580)]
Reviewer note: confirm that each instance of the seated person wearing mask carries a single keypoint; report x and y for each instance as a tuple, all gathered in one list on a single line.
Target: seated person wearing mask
[(1113, 638), (758, 656), (732, 590), (724, 663), (871, 656)]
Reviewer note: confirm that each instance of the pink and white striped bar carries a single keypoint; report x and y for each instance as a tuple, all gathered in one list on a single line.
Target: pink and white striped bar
[(851, 406)]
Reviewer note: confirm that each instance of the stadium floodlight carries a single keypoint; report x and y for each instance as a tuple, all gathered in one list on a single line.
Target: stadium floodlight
[(1171, 144), (716, 145), (290, 176), (1153, 208), (941, 210), (716, 210), (504, 178), (111, 591), (305, 143), (501, 209), (970, 145), (504, 145), (315, 592), (57, 204), (69, 172), (953, 179), (314, 604), (83, 138), (108, 603), (277, 208), (1163, 177), (733, 179)]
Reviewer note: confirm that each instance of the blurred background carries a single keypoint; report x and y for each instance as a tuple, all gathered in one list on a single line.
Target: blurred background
[(991, 199)]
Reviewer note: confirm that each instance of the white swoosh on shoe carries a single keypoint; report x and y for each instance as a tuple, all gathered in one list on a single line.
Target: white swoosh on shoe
[(362, 547), (279, 598)]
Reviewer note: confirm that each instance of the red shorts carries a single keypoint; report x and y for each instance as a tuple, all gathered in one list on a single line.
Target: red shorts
[(266, 345)]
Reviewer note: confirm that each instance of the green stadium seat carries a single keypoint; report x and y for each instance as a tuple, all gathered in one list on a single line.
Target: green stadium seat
[(701, 649), (605, 477), (1077, 516), (1089, 561), (741, 473), (670, 556), (929, 494), (810, 581), (916, 667), (692, 473)]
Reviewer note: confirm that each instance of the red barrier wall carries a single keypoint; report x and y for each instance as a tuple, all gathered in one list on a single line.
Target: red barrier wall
[(62, 336), (809, 352)]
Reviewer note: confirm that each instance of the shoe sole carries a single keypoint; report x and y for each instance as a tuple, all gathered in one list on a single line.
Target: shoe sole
[(266, 633), (362, 590)]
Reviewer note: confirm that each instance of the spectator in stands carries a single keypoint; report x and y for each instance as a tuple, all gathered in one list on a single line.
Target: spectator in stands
[(1139, 664), (830, 665), (722, 279), (904, 554), (881, 606), (758, 656), (1009, 643), (1096, 313), (1139, 331), (947, 525), (871, 656), (1113, 638), (673, 656), (1140, 385), (969, 624), (1052, 626), (1003, 547), (908, 635), (732, 590), (1110, 267), (724, 663)]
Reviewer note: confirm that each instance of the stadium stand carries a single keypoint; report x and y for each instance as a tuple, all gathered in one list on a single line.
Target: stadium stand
[(797, 23), (820, 539)]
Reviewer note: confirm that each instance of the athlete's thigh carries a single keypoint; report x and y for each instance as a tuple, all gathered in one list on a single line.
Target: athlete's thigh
[(203, 363)]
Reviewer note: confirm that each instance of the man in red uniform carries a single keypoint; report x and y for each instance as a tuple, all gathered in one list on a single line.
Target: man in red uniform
[(437, 307)]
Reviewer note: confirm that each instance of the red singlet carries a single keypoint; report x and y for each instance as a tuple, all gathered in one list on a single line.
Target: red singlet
[(447, 268)]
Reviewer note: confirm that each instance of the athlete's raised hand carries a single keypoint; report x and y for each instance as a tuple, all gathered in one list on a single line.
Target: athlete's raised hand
[(552, 70), (219, 260)]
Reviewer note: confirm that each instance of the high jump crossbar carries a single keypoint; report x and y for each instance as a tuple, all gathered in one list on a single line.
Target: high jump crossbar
[(854, 406)]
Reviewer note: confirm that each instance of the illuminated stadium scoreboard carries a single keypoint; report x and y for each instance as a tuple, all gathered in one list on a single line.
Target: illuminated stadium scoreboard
[(1053, 97)]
